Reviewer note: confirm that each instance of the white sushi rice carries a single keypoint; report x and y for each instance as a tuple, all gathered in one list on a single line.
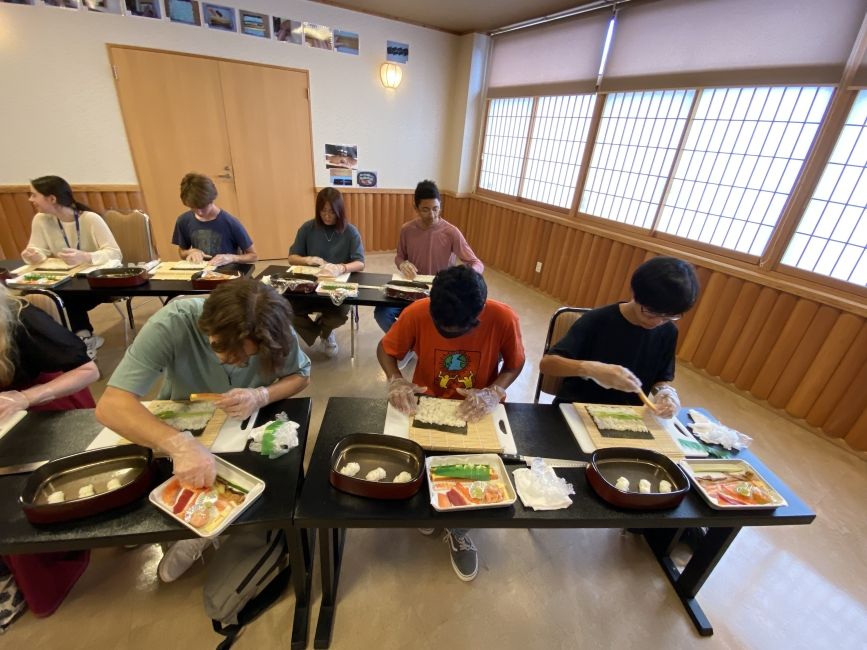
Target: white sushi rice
[(376, 475), (86, 491), (403, 477), (350, 469), (56, 497), (644, 486), (616, 418), (664, 486), (434, 410), (622, 484)]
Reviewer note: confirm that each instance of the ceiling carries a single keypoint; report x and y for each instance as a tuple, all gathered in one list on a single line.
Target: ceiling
[(459, 16)]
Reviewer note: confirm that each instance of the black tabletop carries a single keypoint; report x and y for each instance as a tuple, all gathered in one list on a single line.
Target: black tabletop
[(51, 435), (366, 297), (539, 430)]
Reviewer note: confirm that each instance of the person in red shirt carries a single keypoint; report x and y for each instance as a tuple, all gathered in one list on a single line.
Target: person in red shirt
[(459, 336)]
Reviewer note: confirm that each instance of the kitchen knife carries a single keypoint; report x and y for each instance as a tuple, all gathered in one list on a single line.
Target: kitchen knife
[(550, 462), (24, 468)]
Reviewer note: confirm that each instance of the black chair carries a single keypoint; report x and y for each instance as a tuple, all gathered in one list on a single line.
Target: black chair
[(560, 323)]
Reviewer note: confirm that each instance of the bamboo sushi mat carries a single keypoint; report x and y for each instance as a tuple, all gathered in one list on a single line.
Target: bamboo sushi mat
[(166, 271), (661, 442), (209, 435), (481, 436)]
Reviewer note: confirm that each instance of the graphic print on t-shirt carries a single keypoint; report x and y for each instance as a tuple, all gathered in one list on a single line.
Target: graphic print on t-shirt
[(456, 368), (206, 240)]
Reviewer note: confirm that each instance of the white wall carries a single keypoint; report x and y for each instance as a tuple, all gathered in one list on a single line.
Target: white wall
[(60, 113)]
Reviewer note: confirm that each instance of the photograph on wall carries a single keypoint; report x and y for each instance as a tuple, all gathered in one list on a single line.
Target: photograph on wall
[(253, 24), (219, 17), (396, 52), (143, 8), (63, 4), (318, 36), (341, 177), (342, 156), (19, 2), (345, 42), (366, 179), (183, 11), (104, 6), (288, 31)]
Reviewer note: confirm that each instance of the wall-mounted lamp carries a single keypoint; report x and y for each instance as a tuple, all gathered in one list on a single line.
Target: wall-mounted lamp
[(390, 74)]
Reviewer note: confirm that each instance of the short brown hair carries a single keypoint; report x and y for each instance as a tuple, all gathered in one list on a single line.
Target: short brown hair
[(247, 309), (197, 191)]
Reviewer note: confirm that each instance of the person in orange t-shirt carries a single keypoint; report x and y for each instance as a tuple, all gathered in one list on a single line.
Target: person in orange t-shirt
[(459, 336)]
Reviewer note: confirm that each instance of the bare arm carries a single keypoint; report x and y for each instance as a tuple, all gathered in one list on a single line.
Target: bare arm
[(607, 375), (250, 256), (69, 382), (388, 363), (286, 387), (122, 412), (306, 260)]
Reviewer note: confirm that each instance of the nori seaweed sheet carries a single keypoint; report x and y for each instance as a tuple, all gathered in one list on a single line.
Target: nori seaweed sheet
[(418, 424)]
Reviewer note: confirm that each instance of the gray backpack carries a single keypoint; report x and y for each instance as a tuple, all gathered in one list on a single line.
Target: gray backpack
[(249, 571)]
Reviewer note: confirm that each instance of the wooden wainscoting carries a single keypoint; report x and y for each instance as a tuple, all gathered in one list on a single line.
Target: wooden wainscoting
[(16, 213), (378, 215)]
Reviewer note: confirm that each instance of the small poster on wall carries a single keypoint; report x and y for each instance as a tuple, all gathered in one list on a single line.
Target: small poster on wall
[(19, 2), (183, 11), (288, 31), (318, 36), (397, 52), (219, 17), (366, 179), (254, 24), (143, 8), (103, 6), (63, 4), (344, 156), (341, 177), (345, 42)]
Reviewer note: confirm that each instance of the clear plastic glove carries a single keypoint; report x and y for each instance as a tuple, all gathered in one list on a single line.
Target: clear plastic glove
[(401, 394), (667, 402), (240, 403), (32, 256), (193, 464), (11, 401), (609, 375), (332, 270), (478, 402), (74, 257), (221, 259), (408, 269), (195, 256), (313, 260)]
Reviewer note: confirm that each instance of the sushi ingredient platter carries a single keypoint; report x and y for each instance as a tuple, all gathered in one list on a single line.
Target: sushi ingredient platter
[(208, 511), (469, 481), (41, 279), (731, 484)]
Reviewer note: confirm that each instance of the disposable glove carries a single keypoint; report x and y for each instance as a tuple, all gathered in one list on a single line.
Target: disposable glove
[(195, 256), (74, 257), (609, 375), (240, 403), (313, 260), (32, 256), (478, 402), (221, 259), (408, 269), (667, 402), (333, 270), (401, 394), (193, 464), (11, 401)]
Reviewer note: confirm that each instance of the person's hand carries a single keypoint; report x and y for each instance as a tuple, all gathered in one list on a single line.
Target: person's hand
[(667, 402), (609, 375), (333, 270), (314, 261), (32, 256), (193, 464), (408, 269), (11, 401), (221, 259), (195, 256), (401, 394), (478, 402), (74, 257), (239, 403)]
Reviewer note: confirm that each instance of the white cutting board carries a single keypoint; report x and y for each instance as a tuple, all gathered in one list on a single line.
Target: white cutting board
[(10, 421), (397, 424)]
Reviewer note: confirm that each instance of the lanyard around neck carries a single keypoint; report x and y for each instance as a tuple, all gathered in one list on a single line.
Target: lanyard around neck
[(77, 231)]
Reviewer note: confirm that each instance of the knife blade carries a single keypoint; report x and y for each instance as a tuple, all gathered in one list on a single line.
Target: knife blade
[(24, 468), (550, 462)]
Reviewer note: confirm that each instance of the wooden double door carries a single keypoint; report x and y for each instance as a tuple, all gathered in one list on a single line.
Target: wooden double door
[(245, 125)]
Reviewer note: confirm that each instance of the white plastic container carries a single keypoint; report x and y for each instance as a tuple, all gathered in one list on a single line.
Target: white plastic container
[(442, 487)]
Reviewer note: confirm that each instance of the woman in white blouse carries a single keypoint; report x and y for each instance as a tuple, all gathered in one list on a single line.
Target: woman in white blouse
[(69, 230)]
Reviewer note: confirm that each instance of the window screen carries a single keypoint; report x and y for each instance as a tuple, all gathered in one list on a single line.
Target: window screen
[(505, 142)]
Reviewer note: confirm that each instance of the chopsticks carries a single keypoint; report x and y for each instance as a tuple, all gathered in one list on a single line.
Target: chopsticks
[(645, 399)]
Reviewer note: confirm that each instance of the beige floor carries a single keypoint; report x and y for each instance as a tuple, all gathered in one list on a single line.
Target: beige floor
[(784, 587)]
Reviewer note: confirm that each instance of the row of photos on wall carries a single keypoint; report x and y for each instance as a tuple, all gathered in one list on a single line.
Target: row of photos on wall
[(230, 19)]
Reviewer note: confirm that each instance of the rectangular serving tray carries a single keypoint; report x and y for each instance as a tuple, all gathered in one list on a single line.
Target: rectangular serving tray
[(728, 466), (476, 459)]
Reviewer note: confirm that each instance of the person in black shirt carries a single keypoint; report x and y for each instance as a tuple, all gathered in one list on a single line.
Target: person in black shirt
[(613, 351)]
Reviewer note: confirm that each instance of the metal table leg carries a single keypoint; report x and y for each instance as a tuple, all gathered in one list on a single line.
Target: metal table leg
[(353, 325), (331, 542), (301, 543), (709, 549)]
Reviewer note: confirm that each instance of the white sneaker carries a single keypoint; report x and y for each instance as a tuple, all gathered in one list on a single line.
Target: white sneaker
[(180, 556), (93, 343), (407, 359), (329, 346)]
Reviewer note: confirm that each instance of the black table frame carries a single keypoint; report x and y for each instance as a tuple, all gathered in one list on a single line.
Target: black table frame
[(56, 434), (709, 532)]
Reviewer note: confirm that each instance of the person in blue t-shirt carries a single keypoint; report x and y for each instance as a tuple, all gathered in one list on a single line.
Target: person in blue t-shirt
[(206, 232)]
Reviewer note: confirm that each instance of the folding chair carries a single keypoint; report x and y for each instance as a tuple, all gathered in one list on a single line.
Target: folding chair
[(560, 323), (49, 302)]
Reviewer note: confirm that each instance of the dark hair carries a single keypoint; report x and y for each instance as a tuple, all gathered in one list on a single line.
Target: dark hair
[(59, 189), (197, 191), (426, 190), (335, 199), (457, 297), (247, 309), (665, 285)]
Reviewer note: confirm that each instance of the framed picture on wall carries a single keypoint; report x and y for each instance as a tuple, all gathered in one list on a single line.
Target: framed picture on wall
[(397, 52), (254, 24), (288, 31), (219, 17), (143, 8), (63, 4), (20, 2), (318, 36), (104, 6), (183, 11), (345, 42)]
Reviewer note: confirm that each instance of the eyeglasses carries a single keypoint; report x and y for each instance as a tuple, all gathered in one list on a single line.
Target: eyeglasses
[(665, 317)]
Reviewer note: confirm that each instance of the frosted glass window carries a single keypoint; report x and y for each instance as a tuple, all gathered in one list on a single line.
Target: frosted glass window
[(505, 141)]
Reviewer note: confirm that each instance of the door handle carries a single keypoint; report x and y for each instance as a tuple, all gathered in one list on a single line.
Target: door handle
[(229, 176)]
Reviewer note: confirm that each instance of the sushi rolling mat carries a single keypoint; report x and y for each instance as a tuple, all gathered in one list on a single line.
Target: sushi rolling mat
[(483, 436), (165, 271)]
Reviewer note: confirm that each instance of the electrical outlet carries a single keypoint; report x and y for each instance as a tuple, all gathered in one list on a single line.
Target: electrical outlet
[(538, 267)]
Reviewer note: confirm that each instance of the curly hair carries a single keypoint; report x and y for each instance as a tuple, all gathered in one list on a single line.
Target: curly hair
[(247, 309), (457, 297)]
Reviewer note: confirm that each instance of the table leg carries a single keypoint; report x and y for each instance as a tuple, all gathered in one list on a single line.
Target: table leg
[(331, 542), (301, 542), (353, 321), (709, 550)]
